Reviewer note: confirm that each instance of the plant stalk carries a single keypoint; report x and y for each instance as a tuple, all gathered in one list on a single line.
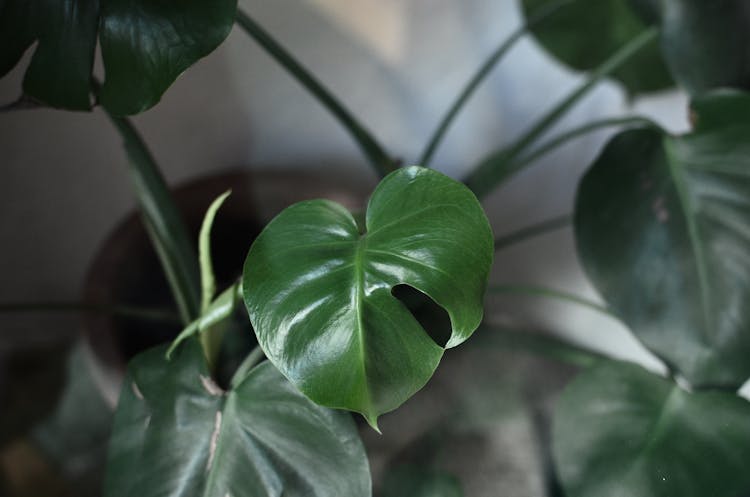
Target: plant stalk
[(372, 150), (574, 133), (542, 344), (163, 222), (481, 74), (253, 358), (501, 165), (531, 231), (550, 293)]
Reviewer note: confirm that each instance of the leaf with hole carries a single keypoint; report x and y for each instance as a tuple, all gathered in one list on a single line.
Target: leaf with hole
[(317, 286), (176, 433), (663, 230), (584, 33), (145, 46), (621, 431)]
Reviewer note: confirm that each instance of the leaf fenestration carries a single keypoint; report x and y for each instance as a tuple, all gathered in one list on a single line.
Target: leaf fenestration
[(318, 286)]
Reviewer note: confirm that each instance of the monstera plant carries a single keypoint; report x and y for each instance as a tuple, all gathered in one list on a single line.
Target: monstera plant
[(662, 230)]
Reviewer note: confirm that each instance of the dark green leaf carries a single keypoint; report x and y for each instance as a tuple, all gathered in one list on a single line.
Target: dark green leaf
[(663, 230), (145, 46), (60, 70), (720, 108), (620, 431), (318, 287), (176, 433), (411, 481), (585, 33), (706, 43)]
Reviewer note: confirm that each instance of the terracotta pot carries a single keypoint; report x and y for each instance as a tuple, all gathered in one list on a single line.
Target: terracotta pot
[(127, 271)]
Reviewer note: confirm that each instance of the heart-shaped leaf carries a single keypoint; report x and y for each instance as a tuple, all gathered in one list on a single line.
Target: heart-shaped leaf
[(621, 431), (585, 33), (317, 286), (145, 46), (706, 43), (176, 433), (663, 230)]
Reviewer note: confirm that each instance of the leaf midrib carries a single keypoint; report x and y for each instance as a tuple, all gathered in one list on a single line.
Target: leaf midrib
[(693, 235), (359, 283), (224, 405)]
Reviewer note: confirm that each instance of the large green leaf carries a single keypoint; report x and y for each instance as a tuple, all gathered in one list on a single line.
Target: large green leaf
[(584, 33), (317, 285), (145, 46), (620, 431), (706, 43), (60, 71), (663, 229), (176, 433)]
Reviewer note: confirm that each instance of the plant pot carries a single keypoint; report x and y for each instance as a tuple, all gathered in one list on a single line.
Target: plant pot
[(127, 271)]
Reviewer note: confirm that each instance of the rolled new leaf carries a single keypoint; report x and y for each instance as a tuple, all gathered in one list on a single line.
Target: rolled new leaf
[(177, 434), (621, 431), (662, 226), (317, 286)]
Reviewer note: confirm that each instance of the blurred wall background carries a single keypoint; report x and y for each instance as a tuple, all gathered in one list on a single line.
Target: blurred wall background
[(396, 64)]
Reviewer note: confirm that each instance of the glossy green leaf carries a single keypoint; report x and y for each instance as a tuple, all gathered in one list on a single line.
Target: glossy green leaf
[(176, 433), (706, 43), (620, 431), (145, 46), (317, 286), (663, 230), (412, 481), (584, 33)]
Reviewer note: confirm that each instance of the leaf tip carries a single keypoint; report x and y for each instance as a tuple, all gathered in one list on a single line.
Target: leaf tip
[(372, 420)]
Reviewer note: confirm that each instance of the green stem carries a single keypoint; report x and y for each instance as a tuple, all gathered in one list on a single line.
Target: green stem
[(209, 323), (501, 165), (163, 222), (539, 343), (375, 153), (481, 74), (549, 293), (527, 232), (127, 311), (253, 358), (574, 133)]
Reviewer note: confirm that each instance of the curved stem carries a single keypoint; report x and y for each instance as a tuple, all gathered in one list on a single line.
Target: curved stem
[(542, 344), (254, 357), (531, 231), (481, 74), (128, 311), (549, 293), (163, 222), (574, 133), (375, 153), (209, 323), (501, 165)]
